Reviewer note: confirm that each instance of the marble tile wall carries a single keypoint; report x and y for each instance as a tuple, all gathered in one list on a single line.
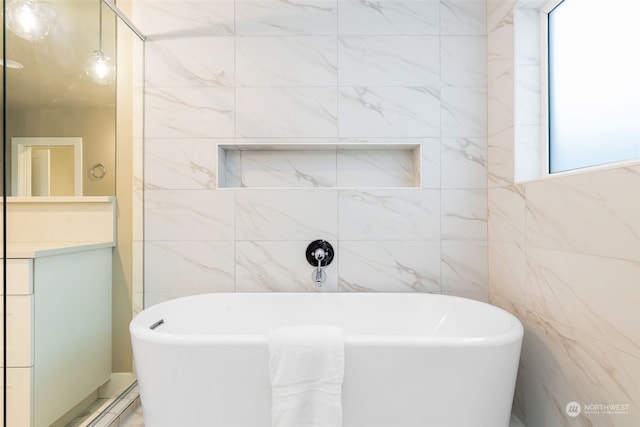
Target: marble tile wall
[(564, 256), (314, 72)]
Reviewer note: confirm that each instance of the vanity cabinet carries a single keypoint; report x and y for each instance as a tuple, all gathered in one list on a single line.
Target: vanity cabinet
[(58, 329)]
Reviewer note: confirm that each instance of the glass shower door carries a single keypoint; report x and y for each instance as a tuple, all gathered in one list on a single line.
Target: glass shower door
[(72, 101)]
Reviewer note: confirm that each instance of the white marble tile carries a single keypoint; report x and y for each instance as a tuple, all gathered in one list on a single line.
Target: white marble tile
[(507, 214), (431, 163), (289, 169), (190, 61), (464, 163), (463, 17), (286, 214), (309, 174), (136, 419), (107, 421), (388, 17), (593, 295), (138, 302), (297, 141), (286, 61), (464, 112), (463, 60), (500, 13), (591, 213), (179, 18), (385, 141), (189, 215), (389, 111), (191, 112), (425, 153), (189, 268), (389, 61), (286, 112), (464, 266), (229, 169), (180, 164), (500, 160), (285, 17), (389, 266), (137, 103), (137, 216), (389, 215), (137, 272), (378, 168), (130, 413), (119, 407), (527, 153), (527, 36), (279, 266), (528, 110), (286, 71), (153, 298), (575, 367), (137, 162), (508, 271), (478, 295), (500, 52), (537, 403), (464, 214), (501, 103)]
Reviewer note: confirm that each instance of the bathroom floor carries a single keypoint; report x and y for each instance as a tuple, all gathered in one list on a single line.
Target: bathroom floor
[(136, 420)]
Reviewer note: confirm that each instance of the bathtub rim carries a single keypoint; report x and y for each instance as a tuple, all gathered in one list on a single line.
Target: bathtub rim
[(513, 333)]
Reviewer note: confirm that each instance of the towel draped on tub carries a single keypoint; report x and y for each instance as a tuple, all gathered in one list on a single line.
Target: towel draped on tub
[(306, 367)]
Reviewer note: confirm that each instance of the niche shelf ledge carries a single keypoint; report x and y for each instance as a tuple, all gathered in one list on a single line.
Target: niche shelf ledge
[(354, 165)]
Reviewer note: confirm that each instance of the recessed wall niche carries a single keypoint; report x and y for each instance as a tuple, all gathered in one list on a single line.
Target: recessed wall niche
[(319, 165)]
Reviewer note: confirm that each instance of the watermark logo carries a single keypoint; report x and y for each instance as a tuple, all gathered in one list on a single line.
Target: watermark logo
[(573, 409)]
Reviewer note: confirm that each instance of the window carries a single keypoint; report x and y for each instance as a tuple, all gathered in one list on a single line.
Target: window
[(593, 82)]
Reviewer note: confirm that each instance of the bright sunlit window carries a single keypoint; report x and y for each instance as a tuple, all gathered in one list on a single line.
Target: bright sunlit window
[(593, 83)]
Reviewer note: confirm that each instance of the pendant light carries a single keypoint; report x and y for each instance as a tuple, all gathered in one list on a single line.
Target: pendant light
[(99, 66), (28, 19)]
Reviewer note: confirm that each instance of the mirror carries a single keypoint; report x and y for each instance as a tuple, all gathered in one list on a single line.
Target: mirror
[(46, 166)]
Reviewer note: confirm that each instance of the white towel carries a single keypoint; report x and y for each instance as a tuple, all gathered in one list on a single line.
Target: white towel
[(306, 366)]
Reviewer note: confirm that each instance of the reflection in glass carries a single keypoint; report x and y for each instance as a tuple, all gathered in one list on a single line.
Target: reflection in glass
[(46, 166), (49, 96), (28, 19), (99, 66)]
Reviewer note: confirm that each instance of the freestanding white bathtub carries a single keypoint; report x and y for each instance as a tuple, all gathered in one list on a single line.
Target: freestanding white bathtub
[(411, 360)]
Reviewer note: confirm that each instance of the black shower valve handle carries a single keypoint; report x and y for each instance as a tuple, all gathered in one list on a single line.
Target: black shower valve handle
[(313, 258)]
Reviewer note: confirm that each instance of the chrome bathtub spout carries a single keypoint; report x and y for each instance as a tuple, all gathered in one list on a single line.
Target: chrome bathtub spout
[(319, 275), (319, 255)]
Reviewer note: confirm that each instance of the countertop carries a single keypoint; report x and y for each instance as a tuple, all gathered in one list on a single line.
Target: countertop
[(45, 249)]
